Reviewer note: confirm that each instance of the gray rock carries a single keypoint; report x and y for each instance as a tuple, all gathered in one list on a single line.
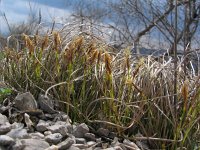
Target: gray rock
[(90, 136), (36, 135), (81, 130), (98, 148), (28, 121), (54, 138), (62, 129), (91, 143), (98, 140), (3, 119), (67, 125), (18, 145), (18, 133), (5, 128), (46, 104), (60, 116), (105, 145), (61, 123), (52, 147), (88, 145), (128, 144), (25, 102), (80, 141), (34, 144), (65, 144), (73, 148), (6, 140), (115, 142), (112, 135), (142, 145), (81, 146), (47, 133), (103, 132), (65, 118), (72, 137), (4, 108), (115, 148), (42, 125), (17, 125)]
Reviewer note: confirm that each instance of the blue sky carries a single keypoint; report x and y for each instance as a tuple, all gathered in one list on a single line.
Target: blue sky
[(18, 10)]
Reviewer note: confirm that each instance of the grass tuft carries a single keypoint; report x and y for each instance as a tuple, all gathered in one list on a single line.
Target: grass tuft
[(115, 90)]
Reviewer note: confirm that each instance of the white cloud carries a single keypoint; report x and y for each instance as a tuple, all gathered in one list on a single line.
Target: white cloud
[(18, 11)]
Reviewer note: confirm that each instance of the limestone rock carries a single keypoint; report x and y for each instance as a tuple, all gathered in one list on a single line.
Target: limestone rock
[(81, 130), (62, 129), (103, 132), (42, 125), (46, 104), (36, 135), (80, 140), (3, 119), (65, 144), (6, 140), (34, 144), (54, 138), (128, 144), (18, 133), (5, 128), (25, 102), (52, 147)]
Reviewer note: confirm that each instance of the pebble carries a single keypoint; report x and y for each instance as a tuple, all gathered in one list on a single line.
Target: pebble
[(47, 133), (18, 145), (16, 125), (46, 104), (80, 141), (52, 147), (90, 136), (65, 144), (18, 133), (62, 129), (91, 143), (81, 130), (6, 140), (36, 135), (42, 125), (128, 143), (5, 128), (103, 132), (54, 138), (3, 119), (52, 131), (115, 148), (25, 102), (73, 148), (34, 144)]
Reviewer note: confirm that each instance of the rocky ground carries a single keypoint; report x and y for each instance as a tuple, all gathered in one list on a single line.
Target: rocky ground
[(27, 124)]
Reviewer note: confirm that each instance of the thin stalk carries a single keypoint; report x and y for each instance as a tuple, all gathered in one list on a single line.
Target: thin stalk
[(175, 70)]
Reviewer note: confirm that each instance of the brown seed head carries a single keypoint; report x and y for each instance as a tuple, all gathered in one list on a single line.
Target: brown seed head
[(184, 92), (99, 56), (29, 44), (79, 42), (108, 63), (57, 40), (91, 48), (94, 56), (45, 42)]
